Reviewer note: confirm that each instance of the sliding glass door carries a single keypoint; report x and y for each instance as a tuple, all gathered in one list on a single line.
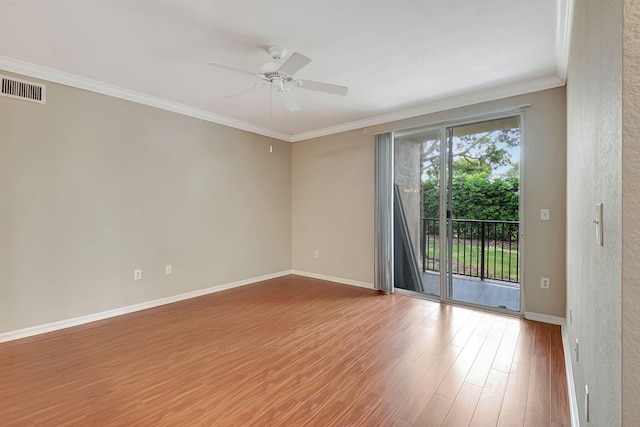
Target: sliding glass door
[(417, 212), (457, 212)]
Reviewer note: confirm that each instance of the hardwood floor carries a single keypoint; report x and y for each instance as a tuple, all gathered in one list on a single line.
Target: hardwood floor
[(291, 351)]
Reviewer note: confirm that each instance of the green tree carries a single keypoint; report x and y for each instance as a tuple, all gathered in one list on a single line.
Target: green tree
[(513, 171), (466, 166), (477, 192), (489, 148)]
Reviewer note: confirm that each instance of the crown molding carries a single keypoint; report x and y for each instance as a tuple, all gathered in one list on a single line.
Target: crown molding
[(564, 24), (491, 93), (60, 77)]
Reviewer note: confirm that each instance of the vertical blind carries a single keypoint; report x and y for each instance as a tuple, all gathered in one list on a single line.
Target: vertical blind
[(383, 217)]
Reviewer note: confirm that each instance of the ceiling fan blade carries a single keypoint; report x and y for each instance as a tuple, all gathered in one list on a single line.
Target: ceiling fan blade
[(294, 63), (322, 87), (227, 67), (290, 101), (243, 91)]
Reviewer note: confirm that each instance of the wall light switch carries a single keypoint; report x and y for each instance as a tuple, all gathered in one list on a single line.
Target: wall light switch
[(587, 410), (168, 269), (599, 225), (544, 214)]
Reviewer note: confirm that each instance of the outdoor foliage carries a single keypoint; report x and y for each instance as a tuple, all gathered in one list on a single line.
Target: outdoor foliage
[(477, 192), (487, 150), (476, 197), (485, 187)]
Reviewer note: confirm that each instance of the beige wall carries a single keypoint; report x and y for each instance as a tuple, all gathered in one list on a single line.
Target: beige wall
[(332, 192), (332, 209), (93, 187), (631, 215), (594, 175)]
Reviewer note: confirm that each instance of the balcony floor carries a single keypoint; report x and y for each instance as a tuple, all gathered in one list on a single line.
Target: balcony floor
[(491, 293)]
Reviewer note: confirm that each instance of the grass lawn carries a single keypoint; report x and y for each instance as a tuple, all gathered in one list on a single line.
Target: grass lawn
[(500, 264)]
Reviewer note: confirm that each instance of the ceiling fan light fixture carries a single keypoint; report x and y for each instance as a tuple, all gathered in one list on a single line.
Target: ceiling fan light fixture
[(279, 84), (277, 52)]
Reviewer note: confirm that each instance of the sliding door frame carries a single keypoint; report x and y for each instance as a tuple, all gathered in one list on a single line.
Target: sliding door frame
[(446, 259)]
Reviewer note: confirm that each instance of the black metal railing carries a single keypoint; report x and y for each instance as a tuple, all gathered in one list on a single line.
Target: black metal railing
[(483, 249)]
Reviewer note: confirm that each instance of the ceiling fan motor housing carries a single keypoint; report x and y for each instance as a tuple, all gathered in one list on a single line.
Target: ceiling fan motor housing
[(270, 72)]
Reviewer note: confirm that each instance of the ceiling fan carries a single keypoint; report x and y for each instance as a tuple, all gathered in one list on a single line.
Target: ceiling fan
[(280, 75)]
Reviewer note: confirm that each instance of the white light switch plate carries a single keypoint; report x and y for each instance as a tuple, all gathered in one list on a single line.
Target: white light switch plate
[(587, 410), (544, 214), (599, 225)]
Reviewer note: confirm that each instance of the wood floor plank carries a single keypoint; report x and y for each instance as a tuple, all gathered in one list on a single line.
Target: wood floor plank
[(538, 409), (463, 407), (435, 412), (467, 330), (524, 347), (514, 403), (452, 319), (290, 351), (559, 396), (505, 353), (418, 397), (490, 402), (482, 365), (454, 378)]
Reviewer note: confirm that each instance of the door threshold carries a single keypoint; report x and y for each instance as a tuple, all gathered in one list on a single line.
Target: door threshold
[(436, 298)]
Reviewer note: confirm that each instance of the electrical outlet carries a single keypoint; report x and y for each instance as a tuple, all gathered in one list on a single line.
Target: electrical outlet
[(316, 254), (137, 274), (168, 269), (544, 282)]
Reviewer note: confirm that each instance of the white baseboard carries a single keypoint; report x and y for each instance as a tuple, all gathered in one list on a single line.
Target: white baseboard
[(50, 327), (571, 388), (544, 318), (333, 279)]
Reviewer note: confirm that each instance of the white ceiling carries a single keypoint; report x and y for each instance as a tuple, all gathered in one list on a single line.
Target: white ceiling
[(399, 58)]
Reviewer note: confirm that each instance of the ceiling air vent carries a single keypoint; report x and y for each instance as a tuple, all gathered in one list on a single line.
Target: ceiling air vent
[(22, 89)]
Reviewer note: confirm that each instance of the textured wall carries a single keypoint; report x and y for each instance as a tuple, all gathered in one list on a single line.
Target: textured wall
[(332, 193), (631, 215), (594, 175), (93, 187)]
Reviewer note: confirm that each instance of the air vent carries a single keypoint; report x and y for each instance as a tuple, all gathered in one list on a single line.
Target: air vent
[(22, 89)]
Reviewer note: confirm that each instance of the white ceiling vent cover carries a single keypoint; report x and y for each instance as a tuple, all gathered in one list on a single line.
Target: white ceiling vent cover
[(22, 89)]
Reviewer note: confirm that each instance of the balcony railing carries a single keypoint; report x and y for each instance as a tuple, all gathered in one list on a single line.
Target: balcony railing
[(483, 249)]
